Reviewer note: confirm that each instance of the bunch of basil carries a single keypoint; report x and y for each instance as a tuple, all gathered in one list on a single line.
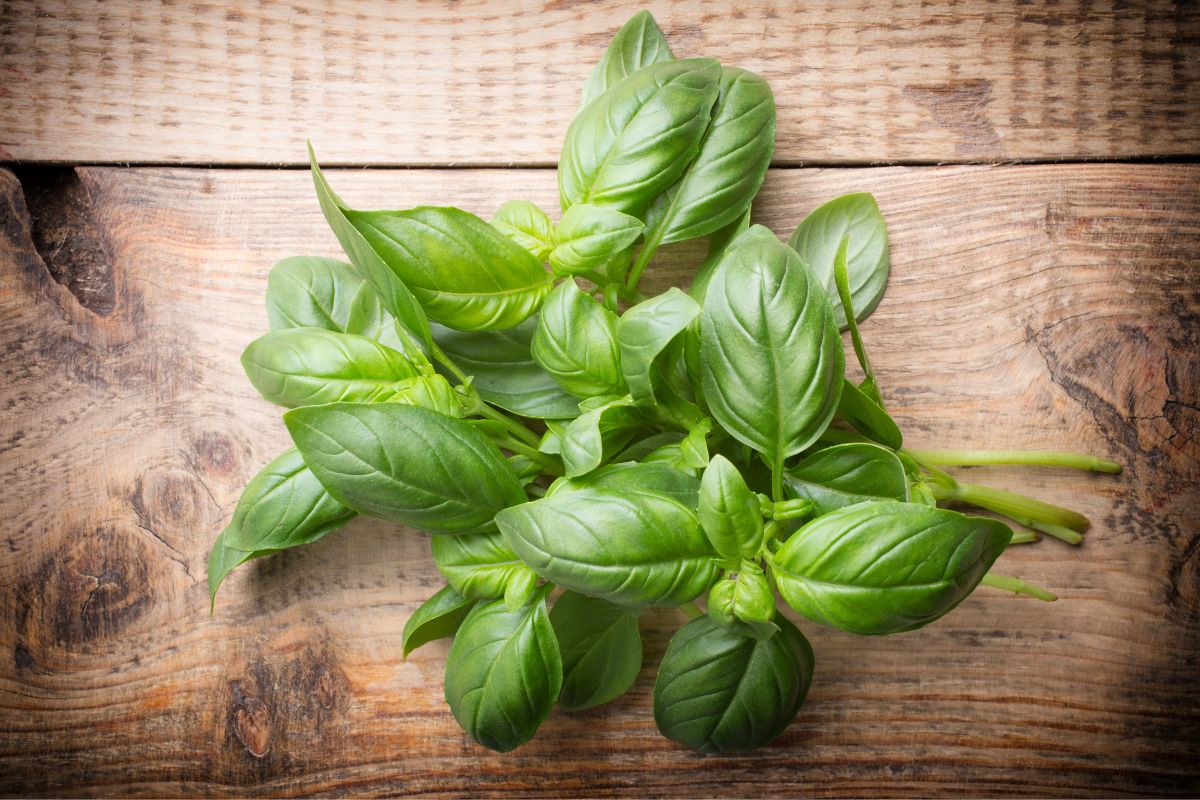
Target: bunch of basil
[(702, 444)]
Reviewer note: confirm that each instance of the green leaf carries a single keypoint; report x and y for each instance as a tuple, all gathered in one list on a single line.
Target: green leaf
[(396, 297), (817, 239), (867, 417), (503, 673), (744, 596), (718, 242), (693, 448), (637, 44), (884, 567), (719, 690), (847, 474), (504, 371), (597, 432), (437, 618), (635, 140), (657, 478), (479, 566), (407, 464), (527, 225), (601, 650), (283, 506), (312, 366), (576, 343), (429, 391), (631, 548), (772, 359), (729, 512), (465, 273), (589, 237), (644, 333)]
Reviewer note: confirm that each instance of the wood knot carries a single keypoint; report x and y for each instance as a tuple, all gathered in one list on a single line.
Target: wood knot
[(252, 724), (326, 690)]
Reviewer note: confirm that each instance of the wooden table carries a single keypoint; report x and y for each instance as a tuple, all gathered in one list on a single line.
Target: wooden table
[(1049, 304)]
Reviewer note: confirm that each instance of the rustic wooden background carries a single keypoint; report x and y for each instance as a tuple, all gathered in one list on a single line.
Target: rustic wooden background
[(1041, 305)]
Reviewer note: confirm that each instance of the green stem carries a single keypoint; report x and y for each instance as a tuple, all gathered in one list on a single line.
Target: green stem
[(548, 463), (535, 490), (1044, 458), (1055, 521), (692, 610), (440, 356), (643, 259), (1024, 537), (1017, 586), (777, 481), (595, 277), (511, 425)]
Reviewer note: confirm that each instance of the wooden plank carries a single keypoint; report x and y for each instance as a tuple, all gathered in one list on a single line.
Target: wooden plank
[(1043, 307), (495, 82)]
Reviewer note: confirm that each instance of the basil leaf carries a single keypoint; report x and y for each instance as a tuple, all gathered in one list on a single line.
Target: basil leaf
[(639, 43), (644, 333), (631, 548), (744, 596), (597, 432), (729, 513), (465, 273), (576, 343), (771, 356), (504, 372), (657, 478), (527, 225), (820, 234), (884, 567), (479, 566), (867, 417), (718, 242), (396, 297), (437, 618), (429, 391), (601, 650), (719, 690), (718, 186), (588, 237), (635, 140), (407, 464), (693, 448), (311, 366), (503, 673), (846, 474), (282, 506), (644, 447)]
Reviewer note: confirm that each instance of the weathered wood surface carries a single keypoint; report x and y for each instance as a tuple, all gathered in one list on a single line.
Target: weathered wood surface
[(1036, 306), (373, 82)]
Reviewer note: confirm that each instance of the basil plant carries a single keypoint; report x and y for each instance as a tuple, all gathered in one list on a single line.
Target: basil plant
[(579, 452)]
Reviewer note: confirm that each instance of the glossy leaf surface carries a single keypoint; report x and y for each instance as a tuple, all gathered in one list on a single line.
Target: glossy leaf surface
[(479, 566), (846, 474), (645, 331), (601, 650), (744, 596), (576, 343), (657, 478), (593, 434), (527, 225), (729, 511), (868, 417), (436, 618), (590, 236), (639, 43)]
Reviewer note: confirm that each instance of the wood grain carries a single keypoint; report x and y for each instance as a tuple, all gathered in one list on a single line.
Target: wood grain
[(1037, 306), (495, 82)]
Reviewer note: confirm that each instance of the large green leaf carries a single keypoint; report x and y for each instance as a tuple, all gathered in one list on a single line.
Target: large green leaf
[(465, 273), (503, 673), (771, 356), (576, 343), (720, 690), (820, 234), (504, 372), (437, 618), (311, 366), (846, 474), (631, 548), (658, 478), (644, 333), (601, 650), (729, 512), (405, 463), (590, 236), (479, 566), (886, 567), (635, 140), (637, 44)]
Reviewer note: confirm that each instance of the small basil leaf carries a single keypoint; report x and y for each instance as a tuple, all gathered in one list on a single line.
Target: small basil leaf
[(644, 333), (503, 673), (720, 690), (636, 139), (396, 297), (729, 512), (693, 448), (437, 618), (639, 43), (597, 432), (527, 225), (601, 650), (867, 417), (407, 464), (479, 566), (631, 548), (503, 371), (846, 474), (771, 356), (222, 560), (884, 567), (657, 478), (465, 273), (312, 366), (817, 240), (745, 596), (429, 391), (576, 343), (644, 447), (588, 237)]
